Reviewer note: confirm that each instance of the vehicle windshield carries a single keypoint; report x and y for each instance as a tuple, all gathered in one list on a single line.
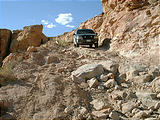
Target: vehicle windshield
[(85, 32)]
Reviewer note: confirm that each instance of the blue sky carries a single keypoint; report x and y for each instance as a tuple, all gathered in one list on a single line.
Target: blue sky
[(57, 16)]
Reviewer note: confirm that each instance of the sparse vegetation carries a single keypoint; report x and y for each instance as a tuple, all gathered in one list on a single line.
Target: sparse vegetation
[(51, 38), (152, 2), (6, 75), (62, 43)]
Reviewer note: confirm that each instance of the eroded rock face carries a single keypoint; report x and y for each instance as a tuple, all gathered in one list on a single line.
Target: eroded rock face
[(130, 27), (5, 37), (29, 36)]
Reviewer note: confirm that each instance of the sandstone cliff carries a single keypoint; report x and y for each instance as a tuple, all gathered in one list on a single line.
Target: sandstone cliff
[(133, 27), (20, 40), (5, 39), (29, 36)]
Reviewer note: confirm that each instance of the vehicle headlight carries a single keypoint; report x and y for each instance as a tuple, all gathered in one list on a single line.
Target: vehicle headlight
[(79, 37), (96, 37)]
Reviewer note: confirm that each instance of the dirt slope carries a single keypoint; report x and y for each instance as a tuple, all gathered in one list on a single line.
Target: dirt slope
[(45, 90)]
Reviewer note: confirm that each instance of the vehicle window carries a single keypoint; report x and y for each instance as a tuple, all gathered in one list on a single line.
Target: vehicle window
[(85, 32)]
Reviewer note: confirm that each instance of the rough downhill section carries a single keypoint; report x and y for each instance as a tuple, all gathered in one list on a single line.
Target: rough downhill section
[(120, 81), (47, 88)]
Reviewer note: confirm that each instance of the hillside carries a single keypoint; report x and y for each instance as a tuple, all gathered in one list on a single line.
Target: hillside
[(120, 80), (132, 26)]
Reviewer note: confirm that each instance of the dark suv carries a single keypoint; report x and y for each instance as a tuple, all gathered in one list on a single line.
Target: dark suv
[(85, 37)]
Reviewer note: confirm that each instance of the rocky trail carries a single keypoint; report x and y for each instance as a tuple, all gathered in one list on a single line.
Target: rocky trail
[(56, 82), (43, 80)]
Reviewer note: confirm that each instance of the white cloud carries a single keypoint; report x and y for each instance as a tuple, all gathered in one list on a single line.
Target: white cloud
[(64, 19), (48, 24), (51, 25), (45, 22), (70, 26)]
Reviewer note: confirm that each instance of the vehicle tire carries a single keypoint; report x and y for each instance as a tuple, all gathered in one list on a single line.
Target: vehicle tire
[(77, 45), (90, 45), (96, 45)]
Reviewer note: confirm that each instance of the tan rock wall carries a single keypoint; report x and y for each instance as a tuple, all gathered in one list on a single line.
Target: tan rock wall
[(29, 36), (132, 26), (5, 37)]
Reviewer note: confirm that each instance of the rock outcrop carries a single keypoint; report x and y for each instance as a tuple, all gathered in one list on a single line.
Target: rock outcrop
[(5, 39), (29, 36), (130, 27)]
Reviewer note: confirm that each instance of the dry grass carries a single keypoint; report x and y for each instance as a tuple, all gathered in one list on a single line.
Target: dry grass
[(62, 43), (6, 75), (152, 2)]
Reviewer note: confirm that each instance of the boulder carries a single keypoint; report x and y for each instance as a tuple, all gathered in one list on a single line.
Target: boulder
[(99, 104), (29, 36), (128, 107), (132, 74), (99, 114), (105, 78), (68, 110), (110, 83), (92, 82), (83, 110), (88, 71), (5, 39), (155, 72), (147, 95), (143, 78), (141, 115), (147, 98), (52, 59), (12, 59), (157, 106), (114, 115), (110, 65), (117, 94), (158, 95)]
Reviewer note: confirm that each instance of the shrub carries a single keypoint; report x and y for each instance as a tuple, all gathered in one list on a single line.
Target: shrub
[(62, 43), (152, 2)]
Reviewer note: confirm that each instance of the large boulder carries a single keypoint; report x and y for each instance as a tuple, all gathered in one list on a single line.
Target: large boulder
[(147, 98), (110, 65), (5, 37), (29, 36), (88, 71)]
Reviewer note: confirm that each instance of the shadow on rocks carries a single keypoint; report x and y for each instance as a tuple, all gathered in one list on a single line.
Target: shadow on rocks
[(105, 45)]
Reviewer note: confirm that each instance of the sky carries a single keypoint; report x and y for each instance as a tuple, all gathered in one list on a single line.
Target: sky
[(57, 16)]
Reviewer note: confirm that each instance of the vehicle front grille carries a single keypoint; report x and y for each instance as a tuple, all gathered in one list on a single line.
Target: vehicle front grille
[(88, 37)]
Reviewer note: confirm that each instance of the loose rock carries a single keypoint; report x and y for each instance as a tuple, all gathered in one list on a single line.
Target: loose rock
[(92, 82), (88, 71)]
